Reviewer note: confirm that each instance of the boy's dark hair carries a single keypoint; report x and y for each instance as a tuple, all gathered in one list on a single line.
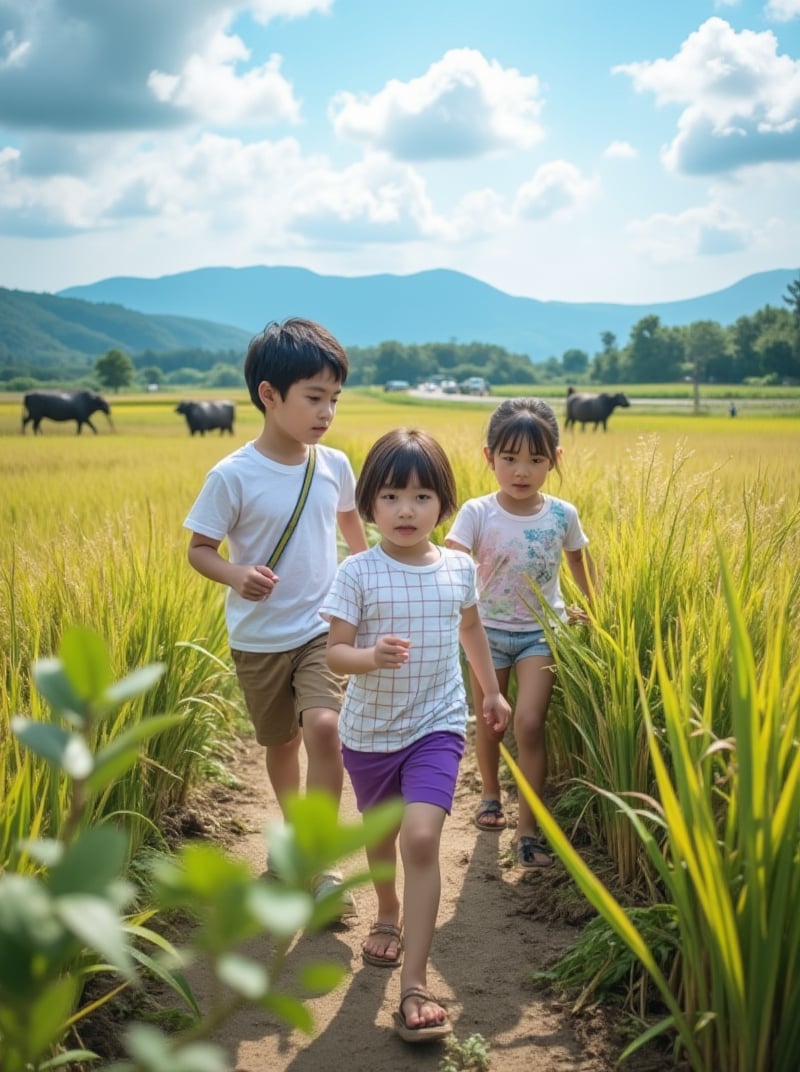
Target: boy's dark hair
[(397, 457), (292, 350), (524, 420)]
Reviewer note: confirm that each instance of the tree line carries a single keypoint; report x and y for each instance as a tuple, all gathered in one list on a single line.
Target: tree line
[(762, 348)]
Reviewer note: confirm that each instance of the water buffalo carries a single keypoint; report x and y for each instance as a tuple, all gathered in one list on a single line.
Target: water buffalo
[(204, 417), (592, 409), (75, 406)]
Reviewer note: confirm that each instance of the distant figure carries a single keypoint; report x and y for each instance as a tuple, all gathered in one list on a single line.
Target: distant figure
[(732, 409)]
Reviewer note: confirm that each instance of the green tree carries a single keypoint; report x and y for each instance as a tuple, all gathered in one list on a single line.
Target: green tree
[(705, 344), (115, 369), (151, 374), (575, 362)]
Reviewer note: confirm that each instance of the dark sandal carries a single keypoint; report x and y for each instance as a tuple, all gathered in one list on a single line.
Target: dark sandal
[(426, 1033), (489, 809), (533, 853), (375, 958)]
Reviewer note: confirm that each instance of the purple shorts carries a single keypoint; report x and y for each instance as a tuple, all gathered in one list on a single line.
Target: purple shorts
[(423, 773)]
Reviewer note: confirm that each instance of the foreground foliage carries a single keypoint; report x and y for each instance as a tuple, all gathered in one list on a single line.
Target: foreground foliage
[(69, 914)]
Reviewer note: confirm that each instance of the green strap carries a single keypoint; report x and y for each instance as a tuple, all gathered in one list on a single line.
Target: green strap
[(291, 525)]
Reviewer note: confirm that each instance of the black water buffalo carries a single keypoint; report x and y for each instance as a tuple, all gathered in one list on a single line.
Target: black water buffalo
[(592, 409), (75, 406), (204, 417)]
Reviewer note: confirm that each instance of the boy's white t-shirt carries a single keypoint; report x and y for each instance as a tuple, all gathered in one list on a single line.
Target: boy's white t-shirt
[(249, 499), (511, 551), (386, 710)]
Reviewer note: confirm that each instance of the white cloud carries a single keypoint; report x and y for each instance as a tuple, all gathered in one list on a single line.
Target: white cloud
[(463, 106), (710, 230), (266, 10), (558, 187), (742, 99), (209, 88), (620, 150), (783, 10)]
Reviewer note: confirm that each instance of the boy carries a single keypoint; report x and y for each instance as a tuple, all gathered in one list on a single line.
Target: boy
[(294, 373)]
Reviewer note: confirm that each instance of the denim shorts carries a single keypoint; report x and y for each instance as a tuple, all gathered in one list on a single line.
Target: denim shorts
[(509, 647)]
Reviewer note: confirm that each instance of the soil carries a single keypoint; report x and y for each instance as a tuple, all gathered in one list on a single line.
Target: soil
[(496, 926)]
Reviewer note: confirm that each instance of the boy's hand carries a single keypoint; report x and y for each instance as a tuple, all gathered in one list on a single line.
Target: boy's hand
[(391, 652), (255, 583), (577, 616), (496, 714)]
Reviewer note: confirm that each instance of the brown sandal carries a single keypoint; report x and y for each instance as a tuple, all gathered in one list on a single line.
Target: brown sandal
[(374, 958), (426, 1033)]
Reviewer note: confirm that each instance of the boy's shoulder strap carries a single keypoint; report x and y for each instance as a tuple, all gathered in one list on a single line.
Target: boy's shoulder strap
[(291, 524)]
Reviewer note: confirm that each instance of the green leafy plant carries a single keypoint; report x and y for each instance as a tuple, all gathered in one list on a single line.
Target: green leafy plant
[(471, 1055), (70, 914)]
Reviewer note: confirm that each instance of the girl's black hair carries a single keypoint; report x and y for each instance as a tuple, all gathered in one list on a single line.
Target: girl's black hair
[(524, 421), (397, 457)]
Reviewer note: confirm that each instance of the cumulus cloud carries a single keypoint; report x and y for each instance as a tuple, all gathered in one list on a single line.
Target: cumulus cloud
[(463, 106), (53, 58), (742, 99), (710, 230), (266, 10), (620, 150), (210, 89), (557, 188), (783, 10)]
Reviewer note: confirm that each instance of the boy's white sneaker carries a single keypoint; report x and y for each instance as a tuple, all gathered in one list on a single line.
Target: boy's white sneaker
[(330, 881)]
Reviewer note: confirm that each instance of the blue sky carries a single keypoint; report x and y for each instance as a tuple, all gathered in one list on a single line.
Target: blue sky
[(635, 151)]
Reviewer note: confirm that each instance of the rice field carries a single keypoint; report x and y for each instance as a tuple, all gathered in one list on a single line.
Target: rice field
[(675, 727)]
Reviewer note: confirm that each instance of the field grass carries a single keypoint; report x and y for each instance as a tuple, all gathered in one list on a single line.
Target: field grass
[(673, 504)]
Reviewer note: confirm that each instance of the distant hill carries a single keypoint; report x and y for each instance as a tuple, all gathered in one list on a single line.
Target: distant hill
[(42, 328), (432, 306)]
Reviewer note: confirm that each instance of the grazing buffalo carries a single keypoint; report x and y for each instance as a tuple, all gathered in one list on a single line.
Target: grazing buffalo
[(592, 409), (204, 417), (75, 406)]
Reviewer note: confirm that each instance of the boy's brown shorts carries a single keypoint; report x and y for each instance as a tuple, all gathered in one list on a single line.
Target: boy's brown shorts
[(278, 686)]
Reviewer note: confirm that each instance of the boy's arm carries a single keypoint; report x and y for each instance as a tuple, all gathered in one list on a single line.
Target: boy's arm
[(496, 711), (352, 529), (344, 657), (250, 582)]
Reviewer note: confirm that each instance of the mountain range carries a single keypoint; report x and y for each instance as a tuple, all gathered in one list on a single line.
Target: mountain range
[(431, 306), (220, 309)]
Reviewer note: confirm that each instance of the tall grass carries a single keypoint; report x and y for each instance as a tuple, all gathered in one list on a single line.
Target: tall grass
[(641, 724)]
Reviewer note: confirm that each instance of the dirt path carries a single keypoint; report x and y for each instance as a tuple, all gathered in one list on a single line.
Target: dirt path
[(486, 945)]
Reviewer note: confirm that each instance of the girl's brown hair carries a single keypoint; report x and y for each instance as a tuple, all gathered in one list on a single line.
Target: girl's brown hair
[(397, 457)]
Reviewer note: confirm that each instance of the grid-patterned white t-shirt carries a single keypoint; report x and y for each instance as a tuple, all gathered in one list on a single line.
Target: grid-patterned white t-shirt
[(386, 710)]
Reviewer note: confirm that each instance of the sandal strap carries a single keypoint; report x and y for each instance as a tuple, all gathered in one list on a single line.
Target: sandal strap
[(490, 806), (386, 928), (417, 992)]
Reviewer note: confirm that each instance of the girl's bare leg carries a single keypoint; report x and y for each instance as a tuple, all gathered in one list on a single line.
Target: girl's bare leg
[(535, 680), (420, 835), (487, 749), (382, 944)]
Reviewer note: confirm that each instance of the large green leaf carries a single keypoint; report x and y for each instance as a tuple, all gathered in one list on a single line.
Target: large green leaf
[(111, 762), (96, 923), (68, 751), (86, 663), (48, 1014), (95, 859), (134, 684), (243, 975), (52, 682)]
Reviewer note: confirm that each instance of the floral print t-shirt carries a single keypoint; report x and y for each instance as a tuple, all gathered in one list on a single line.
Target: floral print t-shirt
[(511, 552)]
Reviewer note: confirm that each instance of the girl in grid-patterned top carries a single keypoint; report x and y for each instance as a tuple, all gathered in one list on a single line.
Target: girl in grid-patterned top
[(397, 613)]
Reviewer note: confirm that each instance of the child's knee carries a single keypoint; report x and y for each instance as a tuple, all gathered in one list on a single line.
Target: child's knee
[(321, 729)]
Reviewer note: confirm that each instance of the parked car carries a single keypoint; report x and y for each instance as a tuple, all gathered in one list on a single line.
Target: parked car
[(396, 385), (475, 385), (449, 387)]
